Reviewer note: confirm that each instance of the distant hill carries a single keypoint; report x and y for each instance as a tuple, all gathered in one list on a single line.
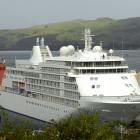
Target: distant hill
[(111, 32)]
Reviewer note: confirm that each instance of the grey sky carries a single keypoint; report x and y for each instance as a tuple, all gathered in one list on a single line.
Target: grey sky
[(26, 13)]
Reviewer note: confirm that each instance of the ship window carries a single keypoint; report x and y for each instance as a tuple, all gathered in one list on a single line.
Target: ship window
[(127, 85), (124, 77), (130, 85), (96, 78), (93, 78), (93, 86)]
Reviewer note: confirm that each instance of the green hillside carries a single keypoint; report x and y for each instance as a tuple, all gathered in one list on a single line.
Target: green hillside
[(70, 32)]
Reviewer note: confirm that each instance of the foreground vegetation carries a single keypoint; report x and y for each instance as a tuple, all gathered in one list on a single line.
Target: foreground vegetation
[(108, 30), (81, 127)]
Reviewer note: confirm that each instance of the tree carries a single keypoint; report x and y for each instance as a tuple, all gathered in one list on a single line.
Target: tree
[(81, 127), (11, 130)]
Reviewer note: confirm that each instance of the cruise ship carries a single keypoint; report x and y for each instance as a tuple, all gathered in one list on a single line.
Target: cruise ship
[(48, 87)]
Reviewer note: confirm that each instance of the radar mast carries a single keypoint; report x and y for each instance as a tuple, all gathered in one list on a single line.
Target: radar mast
[(88, 39)]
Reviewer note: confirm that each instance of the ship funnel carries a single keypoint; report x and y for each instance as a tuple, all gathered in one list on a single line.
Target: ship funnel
[(36, 57), (42, 42), (37, 41)]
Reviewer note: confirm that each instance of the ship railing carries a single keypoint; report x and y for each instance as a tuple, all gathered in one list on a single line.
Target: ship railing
[(94, 71), (127, 98), (132, 71), (121, 65), (115, 65)]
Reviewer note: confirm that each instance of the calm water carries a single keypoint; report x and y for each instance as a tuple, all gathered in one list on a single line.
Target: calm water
[(132, 56)]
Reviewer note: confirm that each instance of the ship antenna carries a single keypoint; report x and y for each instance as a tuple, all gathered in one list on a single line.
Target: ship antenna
[(113, 45), (77, 48), (37, 41), (122, 47), (101, 43)]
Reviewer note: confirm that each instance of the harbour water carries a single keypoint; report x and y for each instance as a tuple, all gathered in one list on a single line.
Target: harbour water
[(132, 57)]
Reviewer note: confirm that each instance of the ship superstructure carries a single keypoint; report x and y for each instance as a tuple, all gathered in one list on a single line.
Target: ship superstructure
[(47, 87)]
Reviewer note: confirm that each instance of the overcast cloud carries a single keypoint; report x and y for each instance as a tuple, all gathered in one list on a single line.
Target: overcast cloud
[(26, 13)]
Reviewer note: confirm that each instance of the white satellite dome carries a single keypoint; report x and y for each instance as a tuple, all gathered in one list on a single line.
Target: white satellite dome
[(97, 48), (67, 50), (71, 47), (64, 51)]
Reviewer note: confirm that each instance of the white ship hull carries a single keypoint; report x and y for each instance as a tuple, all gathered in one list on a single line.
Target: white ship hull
[(47, 112), (33, 108), (112, 109)]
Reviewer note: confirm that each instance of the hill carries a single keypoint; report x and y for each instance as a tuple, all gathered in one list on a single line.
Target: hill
[(108, 30)]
